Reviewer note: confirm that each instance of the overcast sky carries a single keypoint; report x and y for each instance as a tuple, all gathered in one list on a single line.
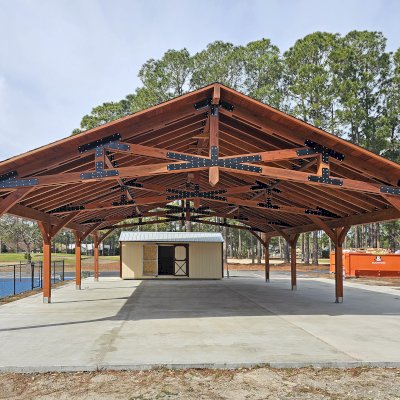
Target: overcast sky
[(60, 58)]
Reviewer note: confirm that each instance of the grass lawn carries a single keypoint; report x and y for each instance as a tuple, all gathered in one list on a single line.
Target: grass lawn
[(69, 258)]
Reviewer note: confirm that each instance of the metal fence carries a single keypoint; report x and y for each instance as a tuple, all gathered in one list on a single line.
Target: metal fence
[(19, 278)]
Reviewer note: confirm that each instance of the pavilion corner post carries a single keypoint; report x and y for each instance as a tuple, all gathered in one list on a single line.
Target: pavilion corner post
[(266, 252), (293, 262), (340, 235), (78, 261), (96, 255), (45, 229)]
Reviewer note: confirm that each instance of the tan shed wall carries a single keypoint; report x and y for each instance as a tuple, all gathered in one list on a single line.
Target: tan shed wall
[(132, 260), (204, 261)]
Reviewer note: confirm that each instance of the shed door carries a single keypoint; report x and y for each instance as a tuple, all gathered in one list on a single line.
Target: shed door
[(181, 260), (150, 257), (165, 260)]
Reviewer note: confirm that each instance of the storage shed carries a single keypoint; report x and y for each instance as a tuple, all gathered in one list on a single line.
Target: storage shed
[(193, 255)]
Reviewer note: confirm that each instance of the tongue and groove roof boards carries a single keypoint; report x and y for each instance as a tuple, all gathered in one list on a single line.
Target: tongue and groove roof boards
[(232, 156)]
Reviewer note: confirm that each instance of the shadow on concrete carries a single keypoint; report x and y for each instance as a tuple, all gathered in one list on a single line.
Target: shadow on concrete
[(233, 297)]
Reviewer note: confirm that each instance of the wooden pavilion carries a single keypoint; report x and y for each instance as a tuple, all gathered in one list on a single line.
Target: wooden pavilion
[(232, 156)]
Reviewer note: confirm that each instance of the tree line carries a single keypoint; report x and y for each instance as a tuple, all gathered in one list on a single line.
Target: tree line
[(347, 84)]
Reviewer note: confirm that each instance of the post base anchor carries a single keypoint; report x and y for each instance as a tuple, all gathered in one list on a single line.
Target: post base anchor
[(46, 300), (339, 300), (294, 287), (78, 287)]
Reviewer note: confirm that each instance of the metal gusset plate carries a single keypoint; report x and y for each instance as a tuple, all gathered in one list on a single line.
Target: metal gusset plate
[(184, 194), (325, 179), (324, 150), (214, 161), (8, 181), (321, 212), (390, 190), (201, 210), (99, 174), (133, 183), (207, 102), (268, 205), (99, 143), (66, 208), (15, 183), (261, 186)]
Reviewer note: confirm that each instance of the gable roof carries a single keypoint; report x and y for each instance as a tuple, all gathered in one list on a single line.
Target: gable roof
[(272, 194), (171, 237)]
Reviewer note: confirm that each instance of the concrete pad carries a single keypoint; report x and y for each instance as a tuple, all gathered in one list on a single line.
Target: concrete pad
[(240, 321)]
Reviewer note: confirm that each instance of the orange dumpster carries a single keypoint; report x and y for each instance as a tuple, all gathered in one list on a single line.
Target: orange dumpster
[(357, 264)]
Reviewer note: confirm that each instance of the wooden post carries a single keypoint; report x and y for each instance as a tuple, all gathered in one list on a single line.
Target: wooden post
[(293, 266), (267, 266), (96, 256), (293, 261), (78, 261), (339, 273), (45, 229), (340, 236)]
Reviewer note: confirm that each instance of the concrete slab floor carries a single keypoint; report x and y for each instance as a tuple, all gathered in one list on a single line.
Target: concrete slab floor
[(240, 321)]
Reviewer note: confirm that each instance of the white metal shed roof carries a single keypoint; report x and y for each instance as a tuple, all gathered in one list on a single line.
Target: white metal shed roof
[(205, 237)]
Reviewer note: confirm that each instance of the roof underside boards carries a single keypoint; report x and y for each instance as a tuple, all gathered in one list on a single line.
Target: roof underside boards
[(295, 174), (171, 237)]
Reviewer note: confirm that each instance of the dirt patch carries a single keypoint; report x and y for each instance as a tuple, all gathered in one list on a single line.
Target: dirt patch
[(258, 383)]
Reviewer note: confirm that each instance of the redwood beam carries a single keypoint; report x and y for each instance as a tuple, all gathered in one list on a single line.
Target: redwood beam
[(318, 221), (394, 201), (105, 235), (61, 224), (13, 198)]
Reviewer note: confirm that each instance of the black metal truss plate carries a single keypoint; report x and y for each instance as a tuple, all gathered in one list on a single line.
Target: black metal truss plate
[(200, 210), (207, 102), (268, 205), (99, 174), (184, 194), (202, 103), (66, 208), (133, 183), (321, 212), (324, 150), (116, 145), (213, 161), (8, 175), (226, 105), (325, 179), (261, 186), (306, 152), (123, 203), (390, 190), (15, 183), (99, 143)]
